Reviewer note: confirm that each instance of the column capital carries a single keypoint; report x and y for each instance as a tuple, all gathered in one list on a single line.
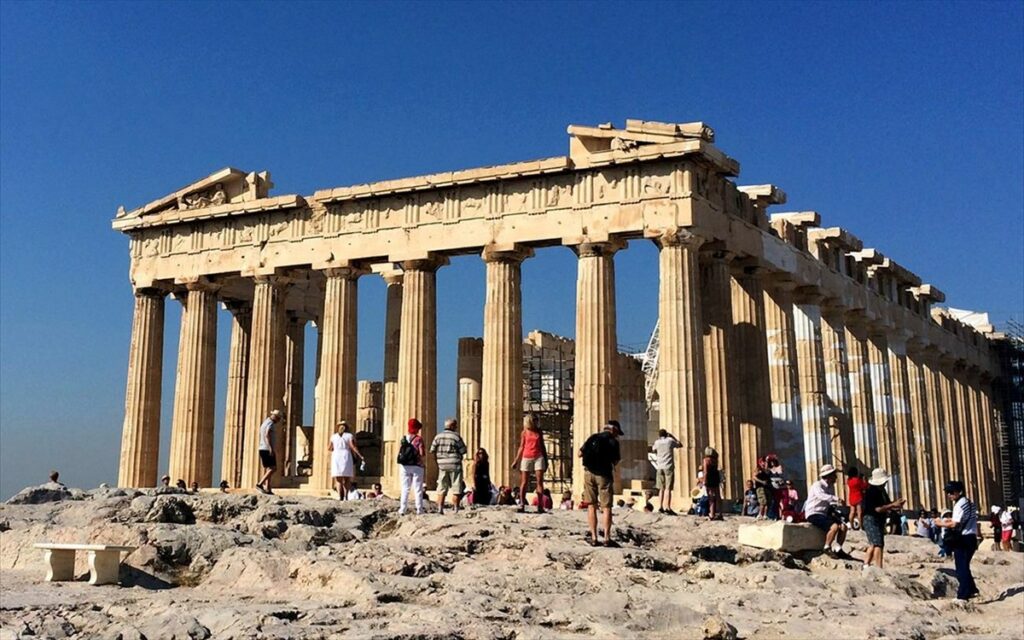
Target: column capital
[(273, 280), (678, 236), (348, 272), (393, 276), (431, 263), (588, 249), (781, 281), (155, 292), (506, 253), (747, 266), (200, 283), (808, 295)]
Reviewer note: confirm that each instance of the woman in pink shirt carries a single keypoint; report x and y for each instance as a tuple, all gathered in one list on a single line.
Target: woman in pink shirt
[(532, 457)]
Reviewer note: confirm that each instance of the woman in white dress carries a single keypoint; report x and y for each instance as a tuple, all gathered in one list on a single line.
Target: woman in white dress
[(342, 448)]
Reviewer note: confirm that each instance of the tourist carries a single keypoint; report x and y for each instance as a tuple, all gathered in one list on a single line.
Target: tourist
[(934, 528), (223, 486), (876, 509), (515, 496), (762, 484), (531, 459), (543, 501), (648, 508), (923, 525), (411, 456), (378, 490), (194, 487), (505, 498), (55, 478), (165, 481), (788, 499), (342, 447), (481, 478), (1006, 530), (665, 468), (712, 482), (449, 449), (266, 448), (996, 524), (353, 493), (856, 485), (820, 509), (566, 504), (699, 495), (600, 454), (962, 537), (776, 476), (945, 549), (750, 502), (180, 484), (620, 504)]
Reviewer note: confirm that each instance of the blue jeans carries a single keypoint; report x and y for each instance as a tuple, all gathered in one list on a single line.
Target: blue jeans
[(962, 554)]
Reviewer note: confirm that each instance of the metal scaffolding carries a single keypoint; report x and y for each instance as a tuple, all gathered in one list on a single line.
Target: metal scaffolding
[(1009, 407), (548, 377)]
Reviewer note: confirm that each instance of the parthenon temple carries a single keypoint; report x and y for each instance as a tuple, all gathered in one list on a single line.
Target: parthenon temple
[(775, 333)]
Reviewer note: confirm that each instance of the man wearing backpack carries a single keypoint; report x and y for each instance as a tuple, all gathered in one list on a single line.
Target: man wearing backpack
[(410, 464), (600, 454)]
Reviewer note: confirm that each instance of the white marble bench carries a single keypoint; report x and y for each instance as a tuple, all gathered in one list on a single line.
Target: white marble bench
[(104, 561), (782, 536)]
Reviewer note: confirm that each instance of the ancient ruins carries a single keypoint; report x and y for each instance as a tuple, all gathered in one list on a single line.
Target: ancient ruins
[(774, 333)]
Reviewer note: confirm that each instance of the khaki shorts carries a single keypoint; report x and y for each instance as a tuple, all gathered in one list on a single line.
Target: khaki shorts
[(449, 479), (665, 479), (533, 464), (597, 490)]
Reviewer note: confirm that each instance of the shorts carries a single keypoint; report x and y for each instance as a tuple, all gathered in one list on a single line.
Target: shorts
[(450, 478), (762, 497), (874, 531), (665, 478), (821, 521), (1007, 535), (597, 490), (530, 465), (268, 459)]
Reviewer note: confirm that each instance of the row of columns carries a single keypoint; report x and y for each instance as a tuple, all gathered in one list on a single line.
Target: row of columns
[(748, 363)]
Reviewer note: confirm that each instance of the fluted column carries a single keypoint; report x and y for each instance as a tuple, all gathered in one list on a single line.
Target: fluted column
[(881, 394), (392, 338), (862, 409), (194, 388), (294, 367), (723, 428), (234, 408), (813, 396), (140, 436), (979, 449), (681, 352), (265, 391), (947, 403), (750, 365), (963, 411), (596, 392), (937, 421), (787, 431), (921, 430), (501, 392), (993, 442), (905, 483), (469, 413), (337, 392), (837, 386), (417, 353)]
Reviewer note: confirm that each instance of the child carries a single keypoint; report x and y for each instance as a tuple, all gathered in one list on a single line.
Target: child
[(761, 482)]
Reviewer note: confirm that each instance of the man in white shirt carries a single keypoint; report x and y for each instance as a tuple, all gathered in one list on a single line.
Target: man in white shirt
[(964, 520), (665, 465), (267, 458), (819, 511)]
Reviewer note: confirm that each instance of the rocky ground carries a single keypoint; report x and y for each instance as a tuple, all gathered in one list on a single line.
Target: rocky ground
[(247, 566)]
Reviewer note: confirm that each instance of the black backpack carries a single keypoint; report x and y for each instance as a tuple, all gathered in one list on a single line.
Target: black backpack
[(408, 456), (593, 452)]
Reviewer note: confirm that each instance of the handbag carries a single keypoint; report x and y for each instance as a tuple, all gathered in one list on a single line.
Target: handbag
[(954, 536)]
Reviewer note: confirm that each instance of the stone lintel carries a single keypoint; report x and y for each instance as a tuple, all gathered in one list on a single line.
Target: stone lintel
[(867, 256), (808, 295), (684, 130), (798, 219), (900, 273), (836, 237), (764, 194), (928, 292)]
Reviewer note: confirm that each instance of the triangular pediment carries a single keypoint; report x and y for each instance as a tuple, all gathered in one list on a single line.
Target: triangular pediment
[(227, 186)]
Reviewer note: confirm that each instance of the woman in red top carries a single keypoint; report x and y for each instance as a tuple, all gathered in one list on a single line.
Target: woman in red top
[(857, 485), (532, 457)]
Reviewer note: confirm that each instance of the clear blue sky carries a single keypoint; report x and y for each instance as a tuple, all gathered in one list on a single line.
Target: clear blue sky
[(901, 123)]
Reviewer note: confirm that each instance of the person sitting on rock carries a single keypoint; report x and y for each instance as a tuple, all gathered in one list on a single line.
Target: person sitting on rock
[(750, 504), (194, 487), (820, 511), (181, 484), (165, 481), (55, 478), (378, 490), (566, 504), (223, 486)]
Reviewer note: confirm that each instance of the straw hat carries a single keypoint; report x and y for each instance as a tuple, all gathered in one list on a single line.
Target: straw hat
[(878, 477), (826, 470)]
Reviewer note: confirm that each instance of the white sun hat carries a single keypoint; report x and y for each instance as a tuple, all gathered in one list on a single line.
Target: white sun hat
[(878, 477)]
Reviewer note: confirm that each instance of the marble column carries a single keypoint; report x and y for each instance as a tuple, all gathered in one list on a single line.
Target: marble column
[(905, 482), (937, 419), (140, 436), (813, 393), (681, 352), (392, 335), (234, 407), (783, 368), (501, 392), (265, 391), (723, 428), (881, 394), (947, 404), (862, 409), (837, 386), (979, 450), (993, 444), (966, 443), (750, 365), (294, 367), (417, 353), (469, 414), (337, 392), (195, 388), (927, 489), (596, 389)]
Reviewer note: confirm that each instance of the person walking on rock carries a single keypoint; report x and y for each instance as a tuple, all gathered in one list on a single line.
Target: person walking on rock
[(665, 465), (267, 458), (820, 509), (877, 507), (343, 469), (600, 454), (532, 459), (411, 457), (449, 450), (961, 537)]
